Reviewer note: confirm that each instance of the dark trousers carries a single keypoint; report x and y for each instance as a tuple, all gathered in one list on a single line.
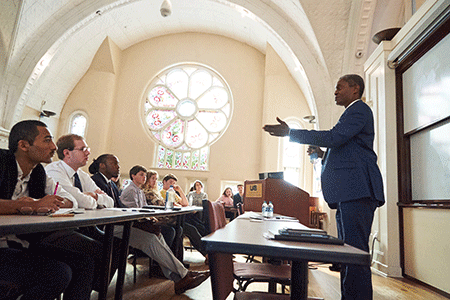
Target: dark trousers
[(81, 253), (38, 277), (354, 222), (168, 233), (194, 229)]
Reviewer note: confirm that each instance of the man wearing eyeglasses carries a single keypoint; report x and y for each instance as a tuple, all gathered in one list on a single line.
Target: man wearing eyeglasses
[(73, 153)]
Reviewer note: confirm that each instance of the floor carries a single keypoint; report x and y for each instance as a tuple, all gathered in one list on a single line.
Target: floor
[(322, 283)]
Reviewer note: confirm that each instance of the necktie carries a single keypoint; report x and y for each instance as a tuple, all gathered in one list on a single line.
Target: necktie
[(113, 195), (111, 191), (77, 182)]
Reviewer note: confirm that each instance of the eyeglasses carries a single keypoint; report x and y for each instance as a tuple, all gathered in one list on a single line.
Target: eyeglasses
[(41, 211), (84, 149)]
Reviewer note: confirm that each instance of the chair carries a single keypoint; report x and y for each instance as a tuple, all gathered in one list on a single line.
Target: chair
[(244, 273), (138, 253)]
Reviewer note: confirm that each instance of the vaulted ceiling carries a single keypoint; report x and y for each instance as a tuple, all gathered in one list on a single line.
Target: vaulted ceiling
[(47, 46)]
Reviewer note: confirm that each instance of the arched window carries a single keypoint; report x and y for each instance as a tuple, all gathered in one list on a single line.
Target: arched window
[(292, 156), (187, 107), (78, 123)]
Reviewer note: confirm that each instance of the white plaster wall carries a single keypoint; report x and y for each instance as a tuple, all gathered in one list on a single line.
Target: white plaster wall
[(427, 245)]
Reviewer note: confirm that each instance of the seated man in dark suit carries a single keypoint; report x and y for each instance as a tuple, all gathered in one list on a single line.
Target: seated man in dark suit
[(24, 184), (103, 169), (239, 197)]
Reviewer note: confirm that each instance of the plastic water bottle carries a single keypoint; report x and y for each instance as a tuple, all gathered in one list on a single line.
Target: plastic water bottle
[(264, 210), (313, 157), (270, 210), (190, 199), (170, 197)]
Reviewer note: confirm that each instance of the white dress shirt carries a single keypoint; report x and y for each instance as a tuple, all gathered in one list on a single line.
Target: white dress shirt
[(64, 174), (21, 190)]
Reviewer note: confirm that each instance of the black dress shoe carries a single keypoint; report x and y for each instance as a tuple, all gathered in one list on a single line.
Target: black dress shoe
[(189, 281)]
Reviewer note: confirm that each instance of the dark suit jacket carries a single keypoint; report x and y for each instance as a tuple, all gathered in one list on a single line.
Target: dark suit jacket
[(9, 173), (101, 182), (349, 167), (236, 199)]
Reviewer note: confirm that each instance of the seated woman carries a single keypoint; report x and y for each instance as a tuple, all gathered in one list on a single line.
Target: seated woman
[(227, 200), (226, 197), (195, 198), (153, 197), (150, 189), (197, 195)]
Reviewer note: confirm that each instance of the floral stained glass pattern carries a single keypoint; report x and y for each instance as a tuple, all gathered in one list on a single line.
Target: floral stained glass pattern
[(187, 108)]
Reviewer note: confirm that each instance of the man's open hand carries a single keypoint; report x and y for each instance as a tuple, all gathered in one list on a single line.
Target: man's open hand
[(281, 129)]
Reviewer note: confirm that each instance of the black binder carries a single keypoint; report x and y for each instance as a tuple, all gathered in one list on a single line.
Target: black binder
[(314, 236)]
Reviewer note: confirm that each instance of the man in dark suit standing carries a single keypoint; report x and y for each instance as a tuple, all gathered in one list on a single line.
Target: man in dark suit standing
[(104, 168), (351, 180)]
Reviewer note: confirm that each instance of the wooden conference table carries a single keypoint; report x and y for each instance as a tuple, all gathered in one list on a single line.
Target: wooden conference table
[(19, 224), (245, 236)]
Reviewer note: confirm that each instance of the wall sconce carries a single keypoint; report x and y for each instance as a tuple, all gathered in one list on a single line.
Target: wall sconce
[(46, 114), (309, 119)]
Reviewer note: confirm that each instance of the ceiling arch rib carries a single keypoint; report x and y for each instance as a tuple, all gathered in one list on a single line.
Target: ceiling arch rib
[(129, 22)]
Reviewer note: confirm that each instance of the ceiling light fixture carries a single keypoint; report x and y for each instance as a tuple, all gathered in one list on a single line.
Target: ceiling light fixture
[(166, 8)]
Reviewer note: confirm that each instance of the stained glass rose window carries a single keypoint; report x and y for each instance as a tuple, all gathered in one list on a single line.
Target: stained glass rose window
[(186, 109)]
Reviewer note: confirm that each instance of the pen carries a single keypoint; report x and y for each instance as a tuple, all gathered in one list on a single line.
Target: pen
[(56, 188)]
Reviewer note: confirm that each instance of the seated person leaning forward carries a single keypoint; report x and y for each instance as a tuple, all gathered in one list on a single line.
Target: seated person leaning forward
[(53, 259), (192, 229), (144, 238), (168, 225)]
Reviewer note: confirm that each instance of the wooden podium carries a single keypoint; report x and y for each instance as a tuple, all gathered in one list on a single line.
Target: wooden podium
[(286, 198)]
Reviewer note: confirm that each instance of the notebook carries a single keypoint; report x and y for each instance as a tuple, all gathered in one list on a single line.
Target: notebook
[(308, 236)]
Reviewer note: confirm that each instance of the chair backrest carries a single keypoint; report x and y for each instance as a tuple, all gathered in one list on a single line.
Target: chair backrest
[(222, 263), (205, 214), (216, 216)]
